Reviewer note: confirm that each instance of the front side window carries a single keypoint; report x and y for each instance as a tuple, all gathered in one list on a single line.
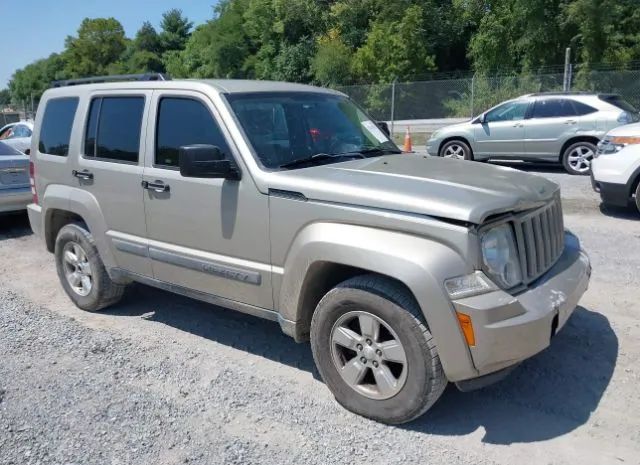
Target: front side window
[(57, 122), (287, 126), (510, 111), (182, 122), (113, 128), (553, 108)]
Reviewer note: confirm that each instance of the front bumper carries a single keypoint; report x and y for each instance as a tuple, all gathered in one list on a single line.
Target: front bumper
[(611, 193), (509, 329), (432, 147), (14, 201)]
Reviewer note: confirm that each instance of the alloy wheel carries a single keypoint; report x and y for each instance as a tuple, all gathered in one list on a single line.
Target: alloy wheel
[(579, 159), (77, 269), (455, 151), (368, 355)]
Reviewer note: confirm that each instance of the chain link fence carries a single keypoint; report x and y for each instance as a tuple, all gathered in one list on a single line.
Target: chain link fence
[(463, 98)]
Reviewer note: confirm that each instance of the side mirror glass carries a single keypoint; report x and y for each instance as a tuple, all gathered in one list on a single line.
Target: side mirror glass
[(206, 161), (384, 127)]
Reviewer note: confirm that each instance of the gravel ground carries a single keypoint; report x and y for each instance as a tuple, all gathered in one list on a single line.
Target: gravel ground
[(163, 379)]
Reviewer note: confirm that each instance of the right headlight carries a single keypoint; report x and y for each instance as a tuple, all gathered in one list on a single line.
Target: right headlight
[(500, 256)]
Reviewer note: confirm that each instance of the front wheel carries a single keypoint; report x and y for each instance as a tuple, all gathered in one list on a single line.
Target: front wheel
[(457, 150), (577, 158), (374, 351)]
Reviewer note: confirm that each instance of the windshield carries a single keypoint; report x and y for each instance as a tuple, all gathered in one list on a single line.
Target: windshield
[(284, 127)]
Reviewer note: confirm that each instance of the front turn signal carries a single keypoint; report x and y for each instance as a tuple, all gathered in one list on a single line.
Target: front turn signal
[(467, 328)]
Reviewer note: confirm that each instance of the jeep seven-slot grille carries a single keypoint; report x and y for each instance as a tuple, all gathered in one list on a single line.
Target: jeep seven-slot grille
[(540, 238)]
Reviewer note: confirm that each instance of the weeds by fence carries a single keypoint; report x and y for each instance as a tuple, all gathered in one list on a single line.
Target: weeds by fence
[(455, 98)]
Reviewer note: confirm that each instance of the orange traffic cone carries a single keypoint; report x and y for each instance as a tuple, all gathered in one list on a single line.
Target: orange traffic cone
[(408, 146)]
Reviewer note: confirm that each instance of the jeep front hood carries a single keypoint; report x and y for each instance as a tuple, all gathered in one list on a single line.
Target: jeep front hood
[(453, 189)]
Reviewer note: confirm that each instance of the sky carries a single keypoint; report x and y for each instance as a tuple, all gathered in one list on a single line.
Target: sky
[(33, 29)]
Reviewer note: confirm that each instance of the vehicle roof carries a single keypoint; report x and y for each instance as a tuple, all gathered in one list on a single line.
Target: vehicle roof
[(223, 86), (6, 149)]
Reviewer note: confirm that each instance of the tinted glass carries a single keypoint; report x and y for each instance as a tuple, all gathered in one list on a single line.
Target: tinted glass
[(92, 128), (7, 150), (510, 111), (582, 108), (619, 102), (553, 108), (287, 126), (21, 131), (183, 122), (118, 135), (55, 132)]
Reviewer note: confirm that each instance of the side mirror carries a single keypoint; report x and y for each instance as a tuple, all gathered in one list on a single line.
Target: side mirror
[(384, 127), (481, 119), (206, 161)]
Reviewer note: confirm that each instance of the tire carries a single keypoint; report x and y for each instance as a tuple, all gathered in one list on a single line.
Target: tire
[(101, 292), (420, 382), (456, 150), (580, 166), (638, 197)]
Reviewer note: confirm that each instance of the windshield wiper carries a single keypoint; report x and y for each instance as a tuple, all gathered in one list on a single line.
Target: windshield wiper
[(320, 157), (377, 150)]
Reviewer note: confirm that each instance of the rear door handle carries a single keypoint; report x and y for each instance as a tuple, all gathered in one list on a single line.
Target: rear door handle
[(518, 125), (157, 186), (84, 174), (570, 121)]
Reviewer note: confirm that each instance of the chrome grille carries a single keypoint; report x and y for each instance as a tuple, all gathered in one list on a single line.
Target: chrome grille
[(540, 238)]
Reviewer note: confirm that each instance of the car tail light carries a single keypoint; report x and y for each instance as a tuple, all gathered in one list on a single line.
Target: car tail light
[(32, 180)]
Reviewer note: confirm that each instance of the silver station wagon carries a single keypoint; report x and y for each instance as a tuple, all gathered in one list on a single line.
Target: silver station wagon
[(549, 127)]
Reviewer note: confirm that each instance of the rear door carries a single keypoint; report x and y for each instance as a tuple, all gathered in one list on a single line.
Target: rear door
[(502, 133), (109, 167), (552, 122)]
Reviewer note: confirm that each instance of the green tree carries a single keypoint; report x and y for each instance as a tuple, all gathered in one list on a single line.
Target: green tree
[(332, 62), (5, 97), (395, 49), (99, 44), (34, 79), (175, 30)]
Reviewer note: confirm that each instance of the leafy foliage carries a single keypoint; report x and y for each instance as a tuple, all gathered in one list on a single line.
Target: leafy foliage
[(332, 42)]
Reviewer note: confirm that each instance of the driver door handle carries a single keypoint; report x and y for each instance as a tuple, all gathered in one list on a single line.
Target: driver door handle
[(157, 186), (570, 121), (84, 174), (518, 125)]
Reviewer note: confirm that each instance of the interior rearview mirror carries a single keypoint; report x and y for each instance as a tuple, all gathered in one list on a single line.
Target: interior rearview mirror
[(206, 161), (384, 127)]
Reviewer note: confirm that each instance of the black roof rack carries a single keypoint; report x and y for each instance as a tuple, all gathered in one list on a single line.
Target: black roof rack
[(541, 94), (114, 78)]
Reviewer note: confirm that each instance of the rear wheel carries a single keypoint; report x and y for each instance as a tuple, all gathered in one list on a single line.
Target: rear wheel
[(374, 351), (577, 158), (81, 271), (457, 150), (638, 197)]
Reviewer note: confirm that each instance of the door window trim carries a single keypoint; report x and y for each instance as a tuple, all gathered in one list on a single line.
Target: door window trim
[(223, 129), (85, 126)]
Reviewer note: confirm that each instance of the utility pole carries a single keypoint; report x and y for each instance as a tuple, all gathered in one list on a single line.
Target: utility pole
[(393, 103), (566, 84)]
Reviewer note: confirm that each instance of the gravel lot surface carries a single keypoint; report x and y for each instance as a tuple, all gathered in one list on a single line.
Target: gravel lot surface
[(162, 379)]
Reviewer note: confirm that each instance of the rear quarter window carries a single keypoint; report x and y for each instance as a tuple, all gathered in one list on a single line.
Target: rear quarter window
[(55, 131)]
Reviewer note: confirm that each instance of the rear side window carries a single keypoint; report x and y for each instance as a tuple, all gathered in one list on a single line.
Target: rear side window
[(113, 128), (618, 102), (184, 121), (553, 108), (582, 108), (55, 132)]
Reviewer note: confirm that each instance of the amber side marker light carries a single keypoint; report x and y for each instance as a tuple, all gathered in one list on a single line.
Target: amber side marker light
[(467, 328)]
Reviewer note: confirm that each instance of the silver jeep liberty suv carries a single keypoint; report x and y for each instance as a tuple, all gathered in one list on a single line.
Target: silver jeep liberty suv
[(289, 203)]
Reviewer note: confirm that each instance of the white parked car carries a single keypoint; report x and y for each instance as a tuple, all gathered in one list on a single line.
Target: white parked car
[(616, 168), (18, 135)]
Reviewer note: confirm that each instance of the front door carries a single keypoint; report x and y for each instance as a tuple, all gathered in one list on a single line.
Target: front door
[(109, 167), (502, 133), (208, 235)]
